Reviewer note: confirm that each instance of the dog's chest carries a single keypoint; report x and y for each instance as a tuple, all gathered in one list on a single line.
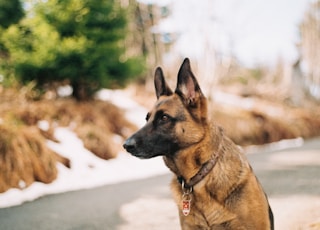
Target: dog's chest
[(205, 211)]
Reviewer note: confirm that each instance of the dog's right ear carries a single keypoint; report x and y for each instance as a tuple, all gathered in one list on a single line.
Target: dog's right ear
[(160, 84)]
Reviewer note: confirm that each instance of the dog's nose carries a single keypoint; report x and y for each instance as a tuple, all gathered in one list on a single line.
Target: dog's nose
[(130, 144)]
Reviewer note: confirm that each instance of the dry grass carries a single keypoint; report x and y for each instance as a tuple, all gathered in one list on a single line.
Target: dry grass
[(267, 122), (25, 157), (97, 123)]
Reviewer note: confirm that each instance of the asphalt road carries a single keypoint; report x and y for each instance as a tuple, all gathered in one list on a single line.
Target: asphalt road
[(291, 178), (86, 209)]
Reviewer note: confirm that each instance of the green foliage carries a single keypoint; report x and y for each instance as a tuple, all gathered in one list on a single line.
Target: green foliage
[(10, 12), (81, 41), (32, 46)]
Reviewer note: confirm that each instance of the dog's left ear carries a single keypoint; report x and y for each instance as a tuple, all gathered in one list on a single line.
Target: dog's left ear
[(160, 84), (187, 85)]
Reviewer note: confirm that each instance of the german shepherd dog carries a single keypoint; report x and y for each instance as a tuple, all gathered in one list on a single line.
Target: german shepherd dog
[(214, 185)]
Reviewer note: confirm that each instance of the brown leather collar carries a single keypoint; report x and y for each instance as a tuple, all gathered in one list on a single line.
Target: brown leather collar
[(203, 172), (205, 169)]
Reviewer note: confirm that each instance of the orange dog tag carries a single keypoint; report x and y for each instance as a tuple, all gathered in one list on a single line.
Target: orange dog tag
[(186, 206)]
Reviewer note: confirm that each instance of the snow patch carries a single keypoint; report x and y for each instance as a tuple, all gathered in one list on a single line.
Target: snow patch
[(87, 170)]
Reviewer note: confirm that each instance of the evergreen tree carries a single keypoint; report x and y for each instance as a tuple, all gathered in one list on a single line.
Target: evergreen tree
[(10, 12), (76, 40)]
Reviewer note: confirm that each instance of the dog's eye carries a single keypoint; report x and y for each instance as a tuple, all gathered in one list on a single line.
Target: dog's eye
[(164, 117)]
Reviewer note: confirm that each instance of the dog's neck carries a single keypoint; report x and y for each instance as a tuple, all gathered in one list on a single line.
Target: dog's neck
[(190, 169), (202, 173)]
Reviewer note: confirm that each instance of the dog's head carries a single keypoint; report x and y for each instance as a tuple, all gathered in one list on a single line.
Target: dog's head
[(177, 120)]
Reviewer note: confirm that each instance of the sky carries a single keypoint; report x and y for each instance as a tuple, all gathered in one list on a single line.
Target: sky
[(256, 32)]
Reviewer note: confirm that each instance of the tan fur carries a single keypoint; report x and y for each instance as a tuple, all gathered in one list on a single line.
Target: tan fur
[(229, 197), (210, 206)]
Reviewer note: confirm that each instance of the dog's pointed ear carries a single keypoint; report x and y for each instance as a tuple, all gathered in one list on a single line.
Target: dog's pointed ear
[(160, 84), (187, 85)]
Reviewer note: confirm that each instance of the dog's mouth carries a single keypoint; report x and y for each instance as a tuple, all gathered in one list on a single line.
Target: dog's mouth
[(139, 154)]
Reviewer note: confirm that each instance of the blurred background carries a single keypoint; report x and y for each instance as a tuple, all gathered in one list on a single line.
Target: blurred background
[(257, 63)]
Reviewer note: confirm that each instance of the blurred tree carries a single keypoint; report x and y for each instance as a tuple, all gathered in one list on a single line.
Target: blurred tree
[(79, 41), (10, 12), (310, 47), (145, 38)]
